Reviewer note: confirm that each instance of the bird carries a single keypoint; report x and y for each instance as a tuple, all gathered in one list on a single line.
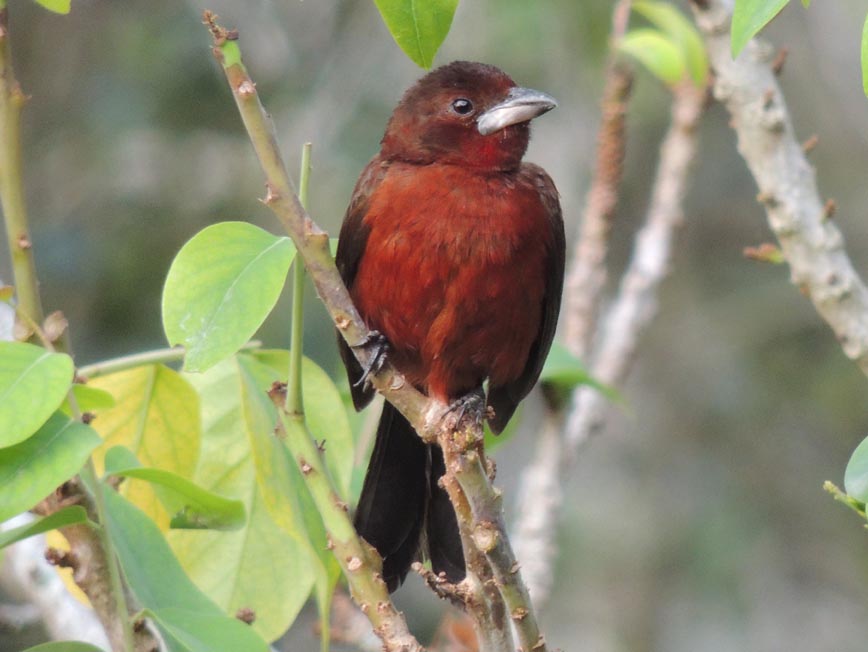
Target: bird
[(452, 250)]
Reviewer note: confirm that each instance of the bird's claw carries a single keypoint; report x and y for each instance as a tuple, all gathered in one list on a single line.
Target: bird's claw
[(472, 405), (377, 346)]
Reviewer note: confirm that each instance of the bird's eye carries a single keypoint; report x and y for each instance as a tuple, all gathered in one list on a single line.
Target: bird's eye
[(462, 106)]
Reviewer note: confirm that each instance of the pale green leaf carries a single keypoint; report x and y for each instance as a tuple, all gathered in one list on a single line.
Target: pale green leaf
[(325, 413), (682, 32), (657, 52), (865, 56), (64, 646), (240, 569), (749, 17), (33, 383), (31, 470), (88, 399), (57, 6), (419, 27), (156, 416), (221, 287), (856, 474), (69, 515)]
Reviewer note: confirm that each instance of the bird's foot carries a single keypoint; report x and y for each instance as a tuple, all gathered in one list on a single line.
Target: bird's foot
[(377, 347), (471, 405)]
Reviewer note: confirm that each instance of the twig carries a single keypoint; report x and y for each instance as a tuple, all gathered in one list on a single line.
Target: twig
[(133, 360), (12, 99), (632, 310), (811, 244), (360, 563), (587, 278), (426, 415)]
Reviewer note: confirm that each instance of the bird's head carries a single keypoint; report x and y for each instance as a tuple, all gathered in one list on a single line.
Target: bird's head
[(464, 113)]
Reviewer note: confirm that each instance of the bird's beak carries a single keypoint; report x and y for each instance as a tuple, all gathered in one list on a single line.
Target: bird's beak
[(521, 105)]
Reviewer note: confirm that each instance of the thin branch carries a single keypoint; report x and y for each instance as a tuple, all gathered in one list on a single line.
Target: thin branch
[(157, 356), (629, 316), (428, 417), (811, 242), (587, 278), (12, 99)]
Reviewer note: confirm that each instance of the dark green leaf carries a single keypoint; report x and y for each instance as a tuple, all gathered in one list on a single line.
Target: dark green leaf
[(33, 383), (64, 646), (749, 17), (119, 457), (418, 26), (856, 474), (31, 470), (61, 518), (198, 632), (159, 583), (221, 287), (57, 6), (191, 506), (657, 52), (683, 33)]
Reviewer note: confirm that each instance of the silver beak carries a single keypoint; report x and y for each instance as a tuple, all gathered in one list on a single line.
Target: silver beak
[(520, 105)]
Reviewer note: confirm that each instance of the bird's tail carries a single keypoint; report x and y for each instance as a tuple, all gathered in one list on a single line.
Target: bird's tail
[(400, 496)]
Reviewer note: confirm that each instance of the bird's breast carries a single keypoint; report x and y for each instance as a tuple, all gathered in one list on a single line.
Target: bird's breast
[(453, 273)]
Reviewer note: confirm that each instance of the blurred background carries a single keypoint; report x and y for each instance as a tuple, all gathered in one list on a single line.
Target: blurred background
[(698, 520)]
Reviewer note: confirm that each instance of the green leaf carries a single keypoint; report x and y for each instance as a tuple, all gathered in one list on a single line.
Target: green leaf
[(191, 506), (749, 17), (160, 585), (61, 518), (657, 52), (221, 287), (325, 414), (418, 26), (865, 56), (198, 632), (31, 470), (856, 474), (240, 569), (33, 383), (57, 6), (563, 369), (88, 399), (64, 646), (668, 18), (156, 416)]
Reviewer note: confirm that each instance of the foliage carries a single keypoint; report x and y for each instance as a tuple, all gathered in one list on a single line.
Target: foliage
[(672, 50), (418, 26)]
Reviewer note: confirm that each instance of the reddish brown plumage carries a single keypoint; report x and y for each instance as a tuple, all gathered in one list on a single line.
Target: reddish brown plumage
[(453, 249)]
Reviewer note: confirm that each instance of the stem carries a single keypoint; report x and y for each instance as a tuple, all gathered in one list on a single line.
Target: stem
[(140, 359), (122, 618), (12, 99), (294, 404), (359, 562)]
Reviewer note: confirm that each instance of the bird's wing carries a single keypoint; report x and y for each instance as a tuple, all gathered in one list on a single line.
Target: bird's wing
[(505, 398), (351, 247)]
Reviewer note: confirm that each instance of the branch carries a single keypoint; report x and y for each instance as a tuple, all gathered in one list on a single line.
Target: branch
[(629, 316), (465, 472), (810, 242), (587, 278), (12, 99)]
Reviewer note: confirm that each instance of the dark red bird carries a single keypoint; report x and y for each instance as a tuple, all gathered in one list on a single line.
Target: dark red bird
[(453, 249)]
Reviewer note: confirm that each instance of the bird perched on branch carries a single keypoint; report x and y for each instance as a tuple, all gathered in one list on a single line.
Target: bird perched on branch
[(453, 251)]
